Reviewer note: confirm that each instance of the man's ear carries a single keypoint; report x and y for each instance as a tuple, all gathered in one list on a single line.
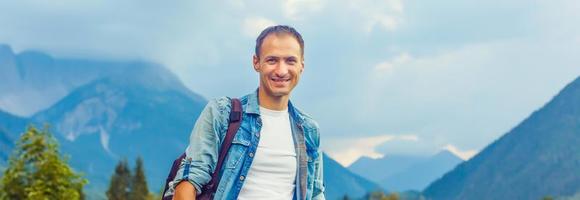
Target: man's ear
[(256, 62), (303, 65)]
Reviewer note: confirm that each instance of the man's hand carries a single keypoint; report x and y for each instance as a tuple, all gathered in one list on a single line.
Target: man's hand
[(184, 191)]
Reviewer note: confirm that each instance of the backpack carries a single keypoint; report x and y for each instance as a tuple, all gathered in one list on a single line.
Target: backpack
[(209, 189)]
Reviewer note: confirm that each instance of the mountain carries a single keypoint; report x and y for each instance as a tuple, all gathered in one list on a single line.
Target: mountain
[(100, 111), (405, 172), (339, 181), (33, 81), (141, 114), (539, 157), (11, 123), (10, 128), (419, 175), (6, 145), (379, 169)]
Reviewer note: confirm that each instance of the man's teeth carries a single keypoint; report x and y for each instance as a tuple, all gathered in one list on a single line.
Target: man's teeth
[(279, 80)]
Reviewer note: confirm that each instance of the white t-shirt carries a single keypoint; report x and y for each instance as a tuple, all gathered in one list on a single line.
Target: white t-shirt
[(273, 169)]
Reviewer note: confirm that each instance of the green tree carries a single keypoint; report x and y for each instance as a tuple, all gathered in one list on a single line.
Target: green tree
[(548, 198), (36, 170), (392, 196), (139, 189), (120, 185), (379, 195)]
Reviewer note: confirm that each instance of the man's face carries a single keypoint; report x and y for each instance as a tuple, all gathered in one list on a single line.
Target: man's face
[(280, 65)]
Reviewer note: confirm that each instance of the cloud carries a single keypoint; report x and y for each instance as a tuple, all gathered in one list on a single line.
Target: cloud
[(252, 26), (237, 3), (459, 96), (465, 155), (388, 22), (298, 9), (388, 66), (387, 15), (381, 145), (347, 150)]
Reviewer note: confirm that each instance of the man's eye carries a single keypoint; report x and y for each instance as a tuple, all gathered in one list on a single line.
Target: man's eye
[(271, 61), (291, 62)]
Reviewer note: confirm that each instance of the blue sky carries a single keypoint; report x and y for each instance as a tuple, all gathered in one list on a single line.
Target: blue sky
[(381, 77)]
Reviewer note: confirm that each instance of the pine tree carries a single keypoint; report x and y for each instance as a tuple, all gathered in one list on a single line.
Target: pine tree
[(120, 185), (139, 189), (36, 170)]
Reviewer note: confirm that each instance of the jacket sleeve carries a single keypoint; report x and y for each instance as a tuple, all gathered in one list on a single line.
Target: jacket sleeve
[(204, 142), (319, 187)]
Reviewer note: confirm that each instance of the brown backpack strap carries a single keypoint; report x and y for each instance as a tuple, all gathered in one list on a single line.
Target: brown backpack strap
[(234, 124)]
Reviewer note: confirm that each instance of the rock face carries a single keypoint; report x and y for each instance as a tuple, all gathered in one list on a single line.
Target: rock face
[(110, 119)]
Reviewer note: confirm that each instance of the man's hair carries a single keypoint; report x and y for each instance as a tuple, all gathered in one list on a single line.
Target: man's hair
[(278, 30)]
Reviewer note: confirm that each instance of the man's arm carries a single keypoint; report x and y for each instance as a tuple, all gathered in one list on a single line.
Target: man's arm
[(202, 152), (184, 191), (318, 191)]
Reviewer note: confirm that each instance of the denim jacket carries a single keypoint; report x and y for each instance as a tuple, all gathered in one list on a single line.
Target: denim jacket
[(209, 131)]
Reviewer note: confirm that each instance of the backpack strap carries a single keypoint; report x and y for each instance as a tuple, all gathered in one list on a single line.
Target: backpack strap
[(234, 125)]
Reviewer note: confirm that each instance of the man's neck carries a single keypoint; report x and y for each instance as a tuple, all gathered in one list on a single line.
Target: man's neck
[(272, 103)]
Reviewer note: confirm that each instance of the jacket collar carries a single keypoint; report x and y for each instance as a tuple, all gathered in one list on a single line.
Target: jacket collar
[(252, 106)]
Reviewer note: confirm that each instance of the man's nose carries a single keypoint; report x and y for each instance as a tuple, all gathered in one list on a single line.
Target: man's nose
[(282, 69)]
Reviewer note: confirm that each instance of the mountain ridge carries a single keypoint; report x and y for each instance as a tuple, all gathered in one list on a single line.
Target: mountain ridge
[(401, 172), (343, 181), (33, 80), (538, 157)]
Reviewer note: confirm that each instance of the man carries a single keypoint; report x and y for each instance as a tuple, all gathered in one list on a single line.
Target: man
[(275, 153)]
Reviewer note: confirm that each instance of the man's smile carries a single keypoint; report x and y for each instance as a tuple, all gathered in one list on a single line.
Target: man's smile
[(280, 80)]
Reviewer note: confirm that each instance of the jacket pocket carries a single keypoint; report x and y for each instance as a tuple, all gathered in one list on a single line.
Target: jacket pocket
[(237, 151)]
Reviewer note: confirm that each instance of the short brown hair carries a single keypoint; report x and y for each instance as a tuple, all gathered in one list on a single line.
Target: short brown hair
[(278, 29)]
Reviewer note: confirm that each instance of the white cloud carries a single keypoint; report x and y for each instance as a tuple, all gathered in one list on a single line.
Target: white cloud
[(237, 3), (297, 9), (347, 150), (252, 26), (396, 5), (443, 95), (389, 65), (388, 22), (387, 15), (465, 155)]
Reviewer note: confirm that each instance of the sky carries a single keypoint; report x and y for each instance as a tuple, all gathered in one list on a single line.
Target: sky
[(381, 77)]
